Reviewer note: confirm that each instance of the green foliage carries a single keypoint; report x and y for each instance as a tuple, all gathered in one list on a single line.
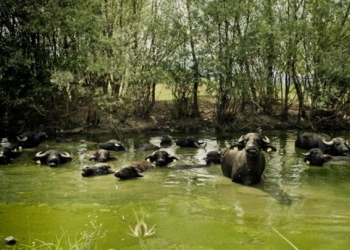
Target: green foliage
[(74, 59)]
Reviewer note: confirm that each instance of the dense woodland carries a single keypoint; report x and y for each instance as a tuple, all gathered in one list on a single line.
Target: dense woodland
[(67, 64)]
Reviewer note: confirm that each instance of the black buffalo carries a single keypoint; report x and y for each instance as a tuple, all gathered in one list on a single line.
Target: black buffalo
[(53, 158), (244, 162), (101, 155), (133, 170), (8, 153), (334, 146), (316, 157), (190, 142), (166, 141), (161, 158), (31, 139), (112, 145), (213, 157), (97, 169)]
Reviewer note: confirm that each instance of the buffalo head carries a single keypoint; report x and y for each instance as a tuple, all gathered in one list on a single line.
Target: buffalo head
[(213, 157), (166, 141), (337, 146), (133, 170), (101, 155), (316, 157), (190, 142), (112, 145), (161, 158), (97, 169), (52, 157), (31, 139)]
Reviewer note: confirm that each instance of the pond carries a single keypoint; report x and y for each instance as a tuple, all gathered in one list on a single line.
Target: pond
[(295, 206)]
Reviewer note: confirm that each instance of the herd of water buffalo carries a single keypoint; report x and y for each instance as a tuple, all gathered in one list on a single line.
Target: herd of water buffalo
[(243, 161)]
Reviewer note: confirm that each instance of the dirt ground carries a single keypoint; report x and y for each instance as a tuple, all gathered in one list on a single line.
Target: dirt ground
[(160, 120)]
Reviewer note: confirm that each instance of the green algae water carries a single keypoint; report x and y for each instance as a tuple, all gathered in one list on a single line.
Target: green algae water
[(295, 207)]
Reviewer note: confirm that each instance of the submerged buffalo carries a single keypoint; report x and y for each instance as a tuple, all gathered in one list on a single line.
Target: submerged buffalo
[(213, 157), (161, 158), (31, 139), (133, 170), (101, 155), (190, 142), (334, 146), (244, 162), (316, 157), (97, 169), (53, 158), (147, 147), (8, 153), (112, 145), (166, 141)]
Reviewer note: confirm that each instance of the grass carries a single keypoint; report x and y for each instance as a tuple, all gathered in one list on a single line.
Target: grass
[(83, 241)]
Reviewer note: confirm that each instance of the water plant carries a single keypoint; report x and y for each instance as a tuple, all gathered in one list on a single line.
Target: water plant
[(141, 228), (85, 240)]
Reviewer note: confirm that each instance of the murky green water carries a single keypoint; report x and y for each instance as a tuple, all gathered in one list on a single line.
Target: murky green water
[(296, 206)]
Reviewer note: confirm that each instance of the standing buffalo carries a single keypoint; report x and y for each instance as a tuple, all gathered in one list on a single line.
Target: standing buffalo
[(190, 142), (166, 141), (161, 157), (244, 162), (101, 155), (52, 157), (316, 157), (31, 139), (97, 169), (133, 170), (333, 146), (113, 145), (213, 157)]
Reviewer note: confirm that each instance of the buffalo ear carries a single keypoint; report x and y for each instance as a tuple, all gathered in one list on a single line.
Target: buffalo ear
[(174, 159), (236, 146), (150, 159), (269, 148)]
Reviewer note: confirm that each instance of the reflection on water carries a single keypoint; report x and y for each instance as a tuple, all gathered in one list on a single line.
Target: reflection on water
[(192, 209)]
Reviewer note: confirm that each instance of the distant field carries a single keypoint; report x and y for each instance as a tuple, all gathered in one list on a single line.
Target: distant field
[(163, 92)]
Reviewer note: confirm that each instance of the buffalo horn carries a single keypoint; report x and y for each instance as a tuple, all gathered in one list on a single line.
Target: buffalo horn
[(266, 139), (241, 139), (329, 143), (200, 146), (306, 154), (40, 154), (22, 139), (65, 155)]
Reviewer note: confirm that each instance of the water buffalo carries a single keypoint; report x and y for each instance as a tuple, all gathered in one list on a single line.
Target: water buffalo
[(161, 157), (147, 147), (213, 157), (316, 157), (31, 139), (112, 145), (8, 153), (133, 170), (166, 141), (52, 157), (334, 146), (97, 169), (101, 155), (244, 162), (190, 142)]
